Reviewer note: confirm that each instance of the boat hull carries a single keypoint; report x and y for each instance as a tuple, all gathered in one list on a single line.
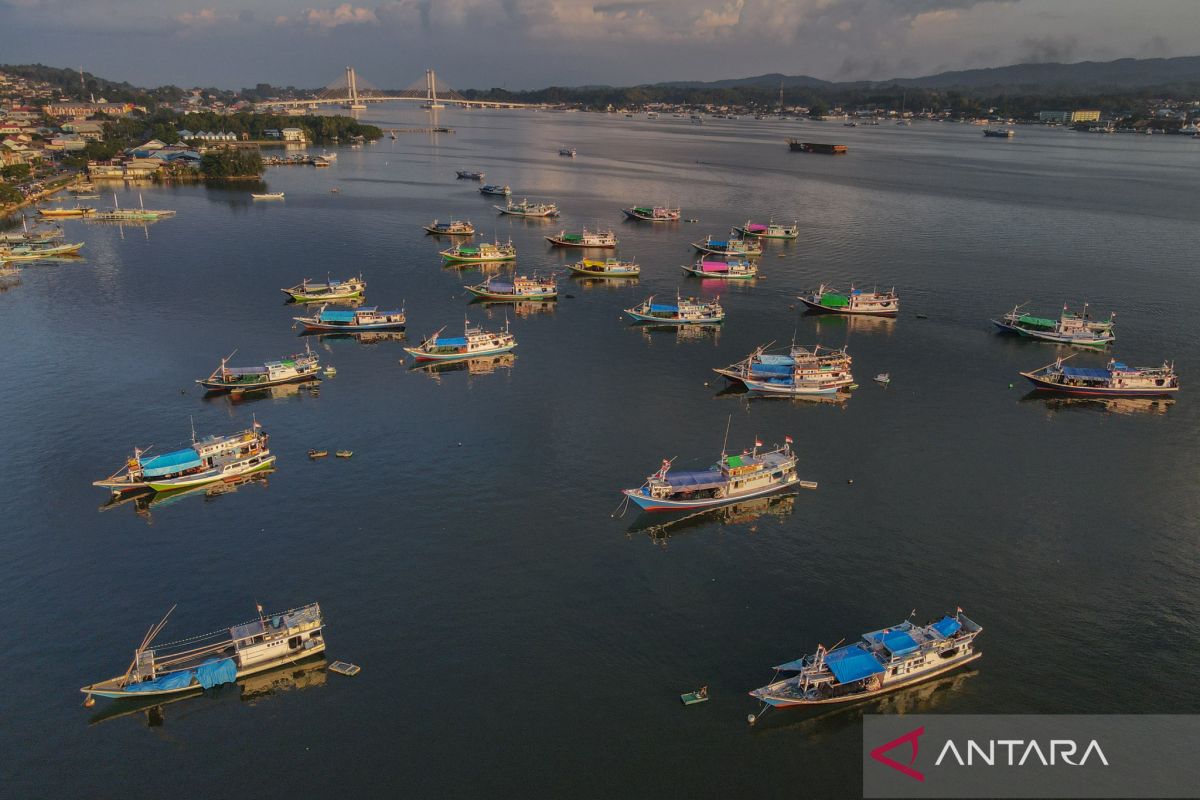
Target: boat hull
[(421, 355), (647, 503), (537, 215), (639, 317), (210, 476), (792, 702), (121, 694), (759, 235), (437, 232), (642, 218), (302, 377), (581, 245), (449, 259), (815, 306), (1097, 391), (327, 328), (498, 296), (765, 387), (633, 273)]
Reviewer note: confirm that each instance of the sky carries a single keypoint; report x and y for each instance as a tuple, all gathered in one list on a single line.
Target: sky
[(521, 44)]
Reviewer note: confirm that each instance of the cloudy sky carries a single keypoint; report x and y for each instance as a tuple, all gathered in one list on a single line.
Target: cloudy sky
[(535, 43)]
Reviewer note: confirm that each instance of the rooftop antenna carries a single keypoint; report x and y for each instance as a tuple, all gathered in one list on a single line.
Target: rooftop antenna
[(725, 444)]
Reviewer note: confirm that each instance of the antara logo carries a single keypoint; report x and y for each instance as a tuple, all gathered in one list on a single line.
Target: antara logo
[(1059, 750), (910, 738)]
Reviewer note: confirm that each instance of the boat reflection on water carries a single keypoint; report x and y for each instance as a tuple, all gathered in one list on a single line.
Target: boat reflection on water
[(681, 333), (365, 337), (341, 302), (146, 501), (921, 698), (283, 391), (252, 689), (740, 392), (1110, 405), (587, 282), (521, 308), (834, 324), (749, 512), (480, 365)]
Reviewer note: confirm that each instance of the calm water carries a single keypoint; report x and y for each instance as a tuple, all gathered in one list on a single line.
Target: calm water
[(515, 638)]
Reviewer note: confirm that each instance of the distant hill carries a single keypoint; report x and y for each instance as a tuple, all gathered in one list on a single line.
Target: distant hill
[(1124, 73)]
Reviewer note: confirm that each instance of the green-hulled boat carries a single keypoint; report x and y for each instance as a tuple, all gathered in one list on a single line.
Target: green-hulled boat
[(480, 253)]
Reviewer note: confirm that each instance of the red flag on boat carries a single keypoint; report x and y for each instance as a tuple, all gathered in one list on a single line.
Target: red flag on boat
[(257, 424), (787, 440), (757, 442), (958, 610)]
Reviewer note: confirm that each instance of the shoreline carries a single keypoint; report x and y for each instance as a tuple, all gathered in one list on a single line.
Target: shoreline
[(37, 197)]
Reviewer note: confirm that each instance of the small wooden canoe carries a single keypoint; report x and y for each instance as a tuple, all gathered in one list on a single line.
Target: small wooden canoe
[(317, 453), (692, 698), (344, 453)]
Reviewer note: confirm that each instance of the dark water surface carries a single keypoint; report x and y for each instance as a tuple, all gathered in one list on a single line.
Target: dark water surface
[(515, 639)]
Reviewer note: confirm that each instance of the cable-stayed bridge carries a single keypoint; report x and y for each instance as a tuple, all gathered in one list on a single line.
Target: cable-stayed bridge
[(352, 92)]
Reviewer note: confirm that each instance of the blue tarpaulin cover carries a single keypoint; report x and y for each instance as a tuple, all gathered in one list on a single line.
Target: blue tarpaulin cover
[(456, 341), (771, 369), (172, 680), (896, 641), (497, 286), (1086, 372), (337, 316), (214, 672), (772, 359), (947, 626), (659, 307), (715, 243), (169, 463), (681, 480), (851, 664)]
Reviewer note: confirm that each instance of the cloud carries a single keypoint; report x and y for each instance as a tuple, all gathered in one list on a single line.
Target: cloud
[(330, 18), (1048, 48)]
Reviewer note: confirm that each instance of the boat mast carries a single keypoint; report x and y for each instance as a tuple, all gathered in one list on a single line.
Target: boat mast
[(725, 444)]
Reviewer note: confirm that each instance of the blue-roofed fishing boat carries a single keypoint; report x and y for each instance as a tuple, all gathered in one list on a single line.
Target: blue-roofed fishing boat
[(1073, 329), (724, 270), (201, 662), (802, 371), (519, 288), (308, 292), (293, 369), (357, 320), (141, 471), (733, 248), (473, 343), (830, 301), (455, 227), (731, 479), (684, 311), (885, 660), (1117, 379)]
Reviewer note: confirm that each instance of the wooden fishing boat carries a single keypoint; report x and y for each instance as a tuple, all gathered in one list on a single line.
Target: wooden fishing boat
[(1073, 329), (201, 662), (82, 188), (35, 236), (730, 480), (594, 239), (883, 378), (999, 133), (139, 214), (137, 471), (474, 342), (314, 454), (35, 251), (63, 211), (817, 147), (298, 368), (267, 196), (454, 227), (567, 151), (495, 189), (344, 453), (1115, 380), (772, 230), (469, 175), (875, 303), (605, 268), (652, 213), (725, 270), (253, 462), (519, 288), (308, 292), (356, 320), (732, 248), (684, 311), (803, 371), (885, 660), (692, 698), (528, 209), (480, 253)]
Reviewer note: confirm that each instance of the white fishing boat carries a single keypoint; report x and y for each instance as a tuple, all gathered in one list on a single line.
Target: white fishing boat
[(142, 471), (474, 342), (267, 196), (201, 662), (307, 292), (885, 660), (874, 303)]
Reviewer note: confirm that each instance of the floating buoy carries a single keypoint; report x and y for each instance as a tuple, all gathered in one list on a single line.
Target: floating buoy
[(751, 719), (850, 480), (460, 444), (1010, 386)]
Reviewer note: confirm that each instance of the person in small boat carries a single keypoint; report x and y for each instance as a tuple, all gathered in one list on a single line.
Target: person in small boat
[(702, 692)]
